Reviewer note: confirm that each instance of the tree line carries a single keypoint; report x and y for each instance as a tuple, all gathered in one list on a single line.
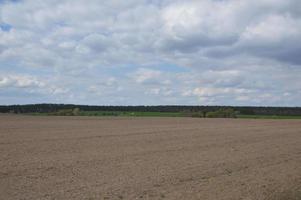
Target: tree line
[(246, 110)]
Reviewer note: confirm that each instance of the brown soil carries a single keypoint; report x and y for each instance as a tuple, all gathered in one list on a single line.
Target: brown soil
[(149, 158)]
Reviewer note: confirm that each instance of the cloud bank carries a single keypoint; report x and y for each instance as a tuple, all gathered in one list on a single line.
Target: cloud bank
[(136, 52)]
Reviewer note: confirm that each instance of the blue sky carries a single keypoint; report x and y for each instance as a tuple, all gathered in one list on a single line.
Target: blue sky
[(141, 52)]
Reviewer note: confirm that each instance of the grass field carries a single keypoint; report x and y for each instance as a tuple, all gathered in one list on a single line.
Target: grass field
[(268, 117), (133, 114), (165, 114)]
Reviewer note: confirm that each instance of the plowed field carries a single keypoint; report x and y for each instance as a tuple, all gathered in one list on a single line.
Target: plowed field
[(149, 158)]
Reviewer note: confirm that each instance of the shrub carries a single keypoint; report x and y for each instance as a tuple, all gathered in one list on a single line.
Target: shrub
[(76, 111), (68, 112), (222, 113), (197, 114), (65, 112)]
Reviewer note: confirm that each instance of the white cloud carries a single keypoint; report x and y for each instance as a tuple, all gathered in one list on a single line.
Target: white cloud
[(211, 91), (185, 52), (30, 84), (20, 81), (273, 29), (196, 17), (143, 75)]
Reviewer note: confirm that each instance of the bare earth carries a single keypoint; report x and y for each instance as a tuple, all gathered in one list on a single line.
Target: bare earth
[(149, 158)]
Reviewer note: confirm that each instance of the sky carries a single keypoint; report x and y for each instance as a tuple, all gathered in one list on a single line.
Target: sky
[(151, 52)]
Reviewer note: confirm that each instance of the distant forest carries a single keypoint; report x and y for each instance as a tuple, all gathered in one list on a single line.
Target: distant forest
[(245, 110)]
